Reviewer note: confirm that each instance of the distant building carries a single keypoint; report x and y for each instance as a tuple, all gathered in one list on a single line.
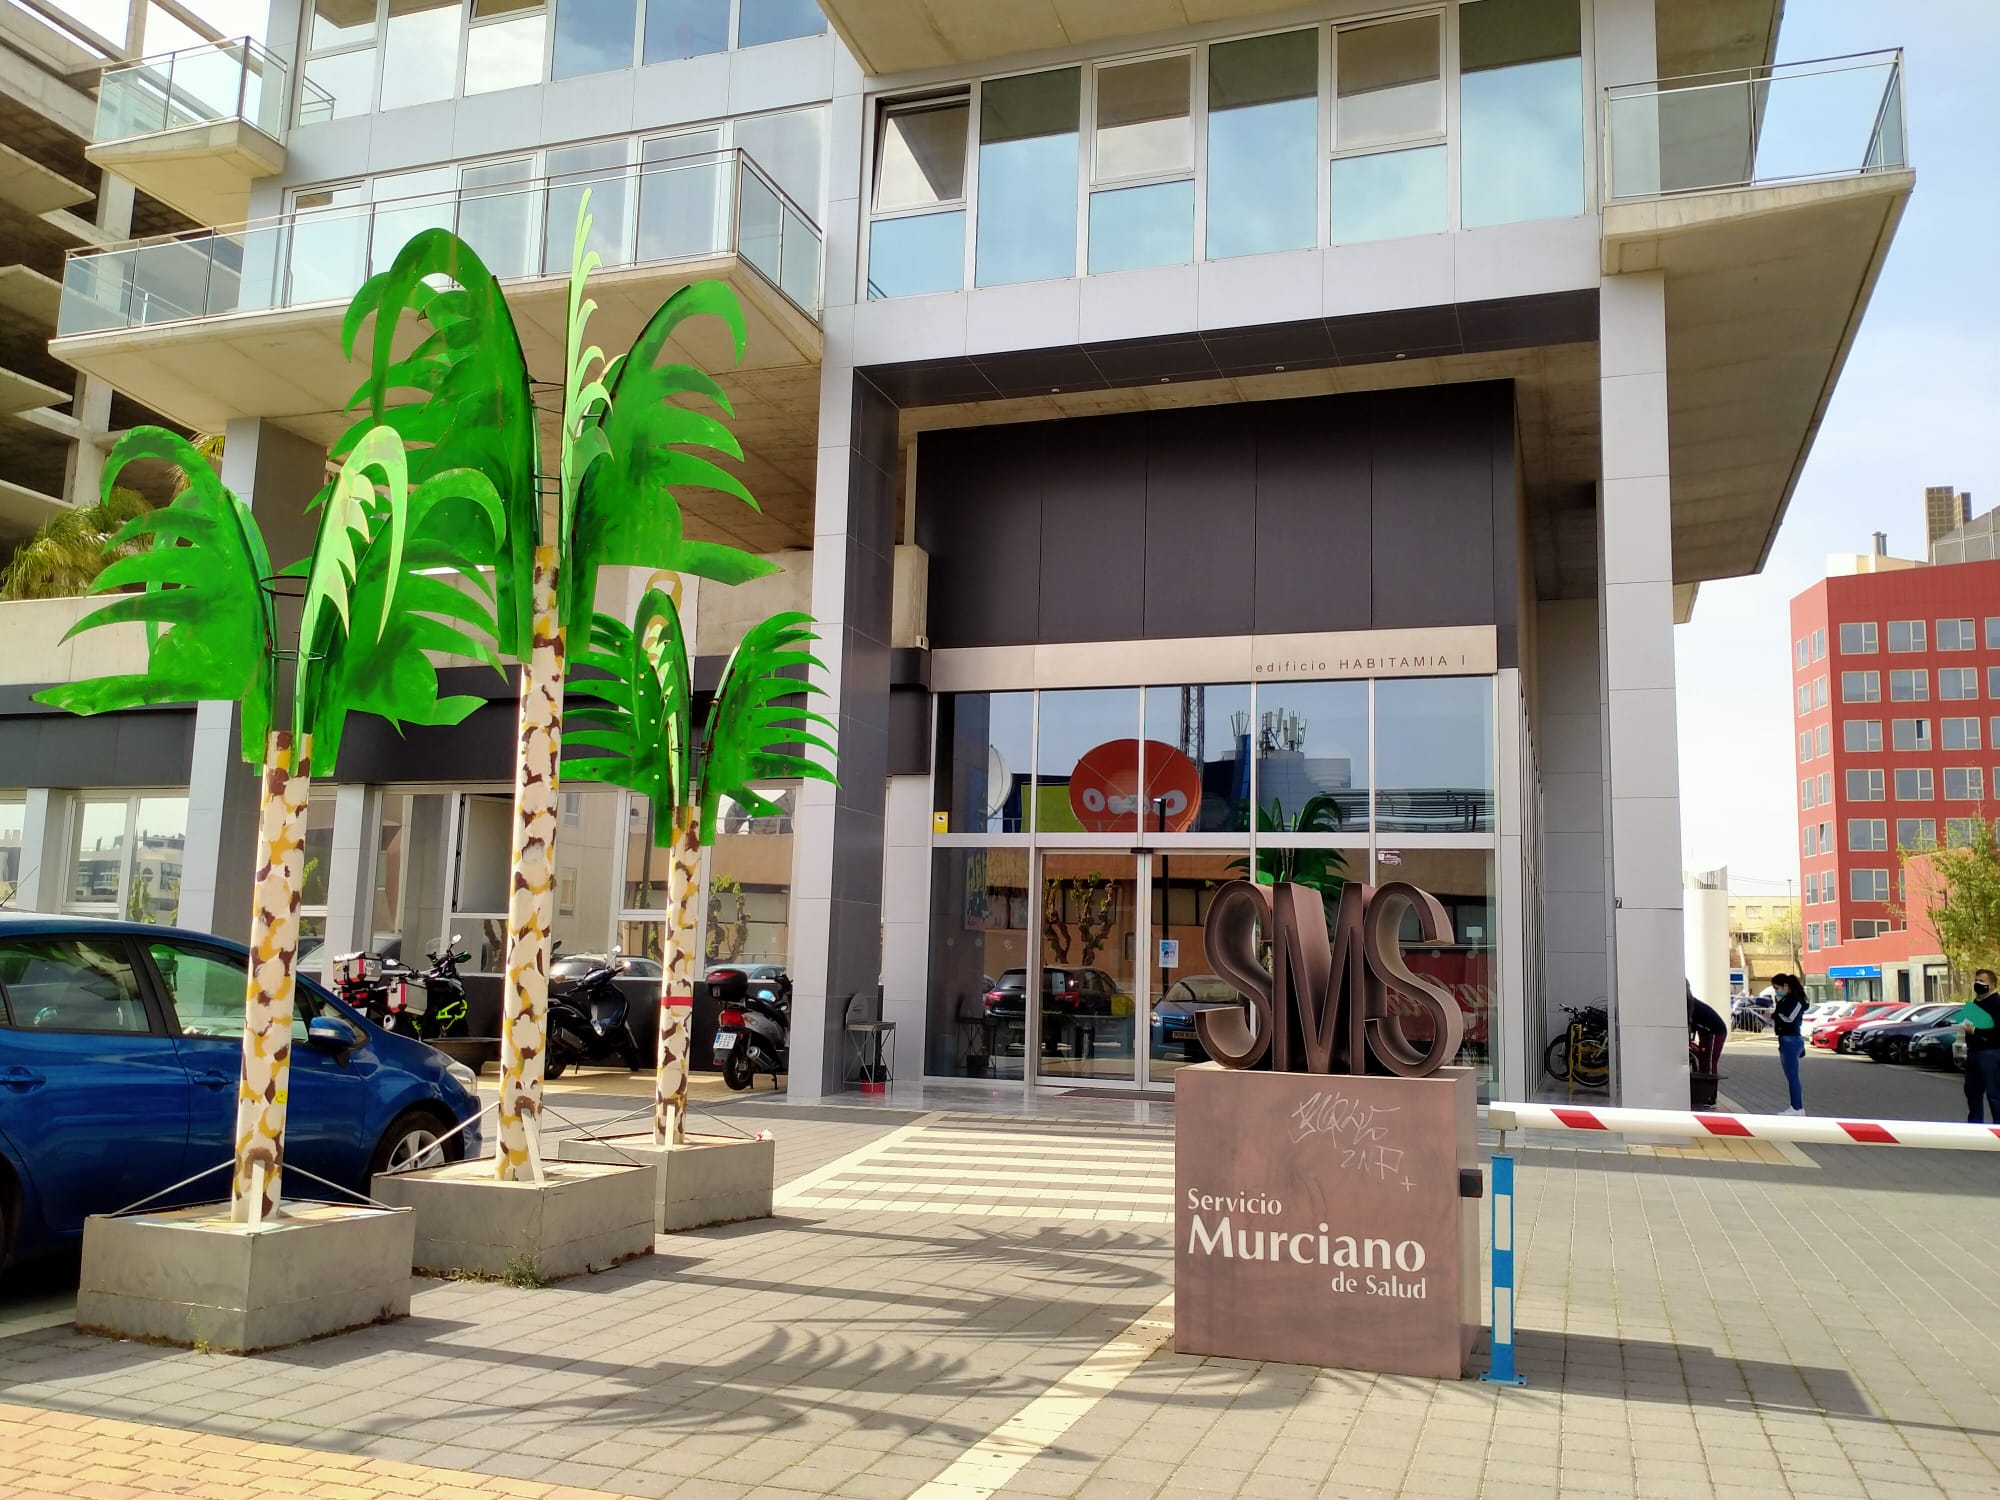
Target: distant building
[(1975, 541), (1896, 711), (1945, 510), (1754, 948)]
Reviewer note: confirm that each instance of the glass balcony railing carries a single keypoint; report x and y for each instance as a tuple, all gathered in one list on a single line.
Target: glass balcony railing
[(654, 213), (1839, 117), (200, 85)]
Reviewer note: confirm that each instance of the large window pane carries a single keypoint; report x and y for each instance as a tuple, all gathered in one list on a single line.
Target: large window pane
[(980, 912), (1209, 726), (1389, 82), (1087, 761), (586, 854), (787, 147), (408, 203), (989, 738), (407, 910), (13, 819), (750, 885), (1312, 757), (505, 53), (329, 244), (1263, 144), (97, 856), (1520, 111), (682, 197), (1388, 195), (342, 23), (420, 61), (1131, 228), (479, 885), (685, 28), (594, 36), (601, 169), (500, 217), (920, 157), (1462, 881), (1027, 178), (1143, 127), (346, 82), (923, 253), (761, 21), (159, 846), (319, 847), (1434, 754)]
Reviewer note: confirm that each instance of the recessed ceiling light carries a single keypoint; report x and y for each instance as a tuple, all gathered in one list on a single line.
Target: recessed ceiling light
[(1402, 356), (1055, 390), (1164, 379), (1277, 367)]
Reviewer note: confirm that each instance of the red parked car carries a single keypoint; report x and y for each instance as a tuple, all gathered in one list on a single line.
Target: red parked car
[(1835, 1034)]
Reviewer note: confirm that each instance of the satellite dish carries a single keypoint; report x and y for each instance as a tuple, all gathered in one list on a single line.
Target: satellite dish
[(999, 782)]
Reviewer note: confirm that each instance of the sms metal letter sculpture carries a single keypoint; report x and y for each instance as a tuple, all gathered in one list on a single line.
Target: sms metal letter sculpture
[(1333, 992), (393, 572)]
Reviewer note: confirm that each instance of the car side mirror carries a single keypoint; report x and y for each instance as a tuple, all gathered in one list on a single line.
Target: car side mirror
[(331, 1034)]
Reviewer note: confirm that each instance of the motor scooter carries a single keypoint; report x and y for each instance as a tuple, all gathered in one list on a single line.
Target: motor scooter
[(380, 988), (590, 1022), (753, 1032)]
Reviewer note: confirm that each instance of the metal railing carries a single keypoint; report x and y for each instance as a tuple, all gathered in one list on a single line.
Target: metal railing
[(1797, 122), (198, 85), (652, 213)]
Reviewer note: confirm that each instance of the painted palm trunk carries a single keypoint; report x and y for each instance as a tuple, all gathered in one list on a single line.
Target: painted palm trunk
[(670, 1079), (267, 1002), (531, 901)]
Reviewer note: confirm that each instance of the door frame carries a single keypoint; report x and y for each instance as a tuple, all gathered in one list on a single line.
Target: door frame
[(1142, 1024)]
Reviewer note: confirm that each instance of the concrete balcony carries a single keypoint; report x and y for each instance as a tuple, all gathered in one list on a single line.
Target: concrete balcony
[(224, 324), (1768, 198), (194, 128)]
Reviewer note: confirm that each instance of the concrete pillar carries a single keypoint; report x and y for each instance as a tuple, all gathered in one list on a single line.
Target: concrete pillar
[(90, 403), (1569, 744), (906, 919), (1636, 593), (44, 850), (350, 886), (278, 474)]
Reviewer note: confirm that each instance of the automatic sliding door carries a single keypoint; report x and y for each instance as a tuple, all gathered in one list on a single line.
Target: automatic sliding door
[(1088, 1023)]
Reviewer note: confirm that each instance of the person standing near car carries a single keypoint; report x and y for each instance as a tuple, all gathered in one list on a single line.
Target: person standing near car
[(1981, 1025), (1786, 1015)]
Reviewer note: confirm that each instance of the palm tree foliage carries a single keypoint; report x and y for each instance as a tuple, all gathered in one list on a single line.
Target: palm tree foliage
[(1323, 870), (374, 597), (627, 446), (68, 550), (636, 713)]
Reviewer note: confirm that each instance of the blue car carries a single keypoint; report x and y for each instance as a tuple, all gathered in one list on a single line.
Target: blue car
[(120, 1046)]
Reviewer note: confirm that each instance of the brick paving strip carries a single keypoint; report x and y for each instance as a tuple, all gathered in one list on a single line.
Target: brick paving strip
[(81, 1457)]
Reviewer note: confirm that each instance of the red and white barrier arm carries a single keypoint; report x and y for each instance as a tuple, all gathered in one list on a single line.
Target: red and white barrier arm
[(1806, 1130)]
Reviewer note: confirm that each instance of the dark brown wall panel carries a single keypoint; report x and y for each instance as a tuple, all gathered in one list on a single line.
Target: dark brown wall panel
[(1315, 519), (1094, 553), (1201, 576)]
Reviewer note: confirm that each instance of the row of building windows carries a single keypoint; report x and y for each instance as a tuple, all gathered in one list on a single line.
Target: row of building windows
[(1871, 835), (1327, 135), (1864, 736), (388, 54), (1863, 638), (1906, 685), (1913, 784)]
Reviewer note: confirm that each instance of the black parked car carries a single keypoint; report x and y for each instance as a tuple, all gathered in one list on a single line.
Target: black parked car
[(1174, 1013), (1889, 1040)]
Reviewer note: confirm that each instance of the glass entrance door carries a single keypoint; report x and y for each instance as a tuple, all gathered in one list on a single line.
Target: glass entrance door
[(1178, 983), (1085, 1012)]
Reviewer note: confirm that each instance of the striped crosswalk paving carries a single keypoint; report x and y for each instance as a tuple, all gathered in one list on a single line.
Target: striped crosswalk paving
[(1002, 1168)]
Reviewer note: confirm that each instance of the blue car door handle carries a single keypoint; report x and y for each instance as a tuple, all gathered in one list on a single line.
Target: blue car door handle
[(209, 1078), (21, 1079)]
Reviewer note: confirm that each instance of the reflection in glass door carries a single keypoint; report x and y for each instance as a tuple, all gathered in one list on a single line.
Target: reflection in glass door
[(1178, 982), (1087, 1017)]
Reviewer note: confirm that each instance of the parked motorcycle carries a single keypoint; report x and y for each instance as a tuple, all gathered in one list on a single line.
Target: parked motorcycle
[(753, 1031), (590, 1022), (380, 988)]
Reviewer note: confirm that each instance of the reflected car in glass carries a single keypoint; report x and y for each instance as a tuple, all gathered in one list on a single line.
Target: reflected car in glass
[(1174, 1014), (570, 967)]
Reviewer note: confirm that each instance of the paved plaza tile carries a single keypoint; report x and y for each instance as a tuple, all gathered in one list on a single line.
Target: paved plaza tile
[(943, 1309)]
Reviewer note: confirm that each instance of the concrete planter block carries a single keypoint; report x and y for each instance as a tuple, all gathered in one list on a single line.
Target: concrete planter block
[(192, 1277), (580, 1217), (712, 1179)]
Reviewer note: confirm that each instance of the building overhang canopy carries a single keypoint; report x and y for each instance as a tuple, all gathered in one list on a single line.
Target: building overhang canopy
[(202, 170)]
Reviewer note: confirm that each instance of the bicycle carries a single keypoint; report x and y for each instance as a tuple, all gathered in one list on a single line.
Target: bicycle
[(1581, 1056)]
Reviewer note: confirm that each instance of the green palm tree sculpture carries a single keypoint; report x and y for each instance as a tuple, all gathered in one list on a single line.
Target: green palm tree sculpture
[(624, 448), (637, 720), (375, 599)]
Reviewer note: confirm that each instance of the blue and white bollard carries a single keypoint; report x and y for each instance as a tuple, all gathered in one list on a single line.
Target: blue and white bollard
[(1501, 1369)]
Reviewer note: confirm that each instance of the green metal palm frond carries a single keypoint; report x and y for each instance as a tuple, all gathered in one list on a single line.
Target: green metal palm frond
[(636, 711), (395, 573), (585, 398), (203, 579), (475, 407), (628, 512), (752, 733)]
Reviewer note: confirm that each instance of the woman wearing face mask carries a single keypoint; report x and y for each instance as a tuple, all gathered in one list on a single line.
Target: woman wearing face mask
[(1785, 1018)]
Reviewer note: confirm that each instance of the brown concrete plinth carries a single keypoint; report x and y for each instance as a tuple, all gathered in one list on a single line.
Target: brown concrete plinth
[(1318, 1219), (711, 1179), (194, 1277), (579, 1217)]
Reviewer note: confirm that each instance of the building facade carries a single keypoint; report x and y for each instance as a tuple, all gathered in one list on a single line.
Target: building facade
[(1896, 696), (1279, 443)]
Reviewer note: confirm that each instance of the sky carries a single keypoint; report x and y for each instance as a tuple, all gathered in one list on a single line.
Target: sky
[(1918, 403)]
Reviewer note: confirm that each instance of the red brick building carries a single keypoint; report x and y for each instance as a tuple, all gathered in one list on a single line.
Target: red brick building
[(1896, 728)]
